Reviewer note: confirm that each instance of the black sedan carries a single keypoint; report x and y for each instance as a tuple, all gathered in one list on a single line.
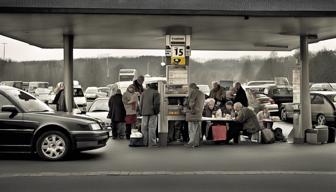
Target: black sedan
[(29, 125)]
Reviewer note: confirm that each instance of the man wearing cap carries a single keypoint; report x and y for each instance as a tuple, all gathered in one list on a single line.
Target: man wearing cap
[(195, 106)]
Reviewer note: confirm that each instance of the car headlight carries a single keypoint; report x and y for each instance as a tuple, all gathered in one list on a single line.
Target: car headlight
[(95, 127)]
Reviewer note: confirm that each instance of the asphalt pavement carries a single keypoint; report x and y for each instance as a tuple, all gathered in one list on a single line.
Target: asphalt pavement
[(117, 167)]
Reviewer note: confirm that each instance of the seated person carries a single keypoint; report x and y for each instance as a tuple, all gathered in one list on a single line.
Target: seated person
[(228, 110), (246, 121), (262, 115), (209, 110)]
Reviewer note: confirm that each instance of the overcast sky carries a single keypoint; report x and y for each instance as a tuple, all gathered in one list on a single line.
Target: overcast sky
[(20, 51)]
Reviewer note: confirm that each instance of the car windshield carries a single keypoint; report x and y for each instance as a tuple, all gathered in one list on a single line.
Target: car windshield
[(78, 92), (283, 92), (99, 106), (28, 102)]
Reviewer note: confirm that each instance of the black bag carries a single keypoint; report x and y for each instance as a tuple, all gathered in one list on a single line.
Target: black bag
[(136, 142), (331, 135), (278, 135)]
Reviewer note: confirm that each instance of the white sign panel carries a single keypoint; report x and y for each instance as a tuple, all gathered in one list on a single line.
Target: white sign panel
[(177, 39), (178, 77), (296, 86)]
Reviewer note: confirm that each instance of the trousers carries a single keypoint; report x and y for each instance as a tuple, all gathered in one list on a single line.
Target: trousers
[(148, 129)]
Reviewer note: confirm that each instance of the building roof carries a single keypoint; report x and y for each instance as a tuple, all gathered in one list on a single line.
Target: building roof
[(133, 24)]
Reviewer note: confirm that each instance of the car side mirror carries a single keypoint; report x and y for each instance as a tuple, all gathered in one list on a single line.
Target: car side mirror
[(11, 109), (83, 112)]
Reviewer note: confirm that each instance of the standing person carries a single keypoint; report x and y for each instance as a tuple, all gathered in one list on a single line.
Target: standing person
[(149, 109), (194, 114), (138, 87), (130, 100), (117, 114), (240, 95), (218, 93), (59, 99)]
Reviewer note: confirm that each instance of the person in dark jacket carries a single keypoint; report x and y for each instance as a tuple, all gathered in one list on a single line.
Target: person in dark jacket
[(138, 87), (240, 95), (117, 114), (246, 121), (149, 109), (194, 112), (59, 99), (218, 93)]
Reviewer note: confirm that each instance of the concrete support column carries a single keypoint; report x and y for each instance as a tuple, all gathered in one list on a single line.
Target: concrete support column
[(68, 71), (305, 121)]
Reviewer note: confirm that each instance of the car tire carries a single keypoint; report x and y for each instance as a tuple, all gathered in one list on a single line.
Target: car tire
[(53, 146), (283, 114), (321, 120)]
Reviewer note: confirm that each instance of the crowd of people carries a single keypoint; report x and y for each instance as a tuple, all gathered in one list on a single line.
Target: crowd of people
[(125, 108)]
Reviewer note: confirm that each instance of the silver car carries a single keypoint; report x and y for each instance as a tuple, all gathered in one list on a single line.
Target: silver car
[(258, 101), (323, 107)]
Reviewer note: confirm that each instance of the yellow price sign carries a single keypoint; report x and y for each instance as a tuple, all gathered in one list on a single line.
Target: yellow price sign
[(178, 60), (178, 55)]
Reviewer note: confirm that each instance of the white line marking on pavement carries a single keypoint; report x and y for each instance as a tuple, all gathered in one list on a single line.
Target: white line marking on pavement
[(164, 173)]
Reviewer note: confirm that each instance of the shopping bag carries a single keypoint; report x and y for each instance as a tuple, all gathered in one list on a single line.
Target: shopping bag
[(219, 132)]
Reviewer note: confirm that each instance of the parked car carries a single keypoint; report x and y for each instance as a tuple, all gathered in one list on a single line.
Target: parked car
[(29, 125), (16, 84), (258, 101), (103, 91), (99, 110), (36, 84), (91, 93), (205, 89), (261, 82), (323, 108), (123, 85), (45, 95), (79, 98), (323, 87), (280, 94)]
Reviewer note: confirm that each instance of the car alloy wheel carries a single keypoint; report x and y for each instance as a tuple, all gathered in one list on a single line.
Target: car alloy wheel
[(52, 145), (283, 114), (321, 120)]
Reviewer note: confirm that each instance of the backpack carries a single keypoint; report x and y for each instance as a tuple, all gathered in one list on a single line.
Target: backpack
[(278, 135), (267, 136)]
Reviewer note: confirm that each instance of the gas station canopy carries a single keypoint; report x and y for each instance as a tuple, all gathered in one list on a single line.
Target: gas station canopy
[(133, 24)]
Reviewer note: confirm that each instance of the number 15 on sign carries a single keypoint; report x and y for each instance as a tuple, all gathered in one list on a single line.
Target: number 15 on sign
[(178, 51)]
